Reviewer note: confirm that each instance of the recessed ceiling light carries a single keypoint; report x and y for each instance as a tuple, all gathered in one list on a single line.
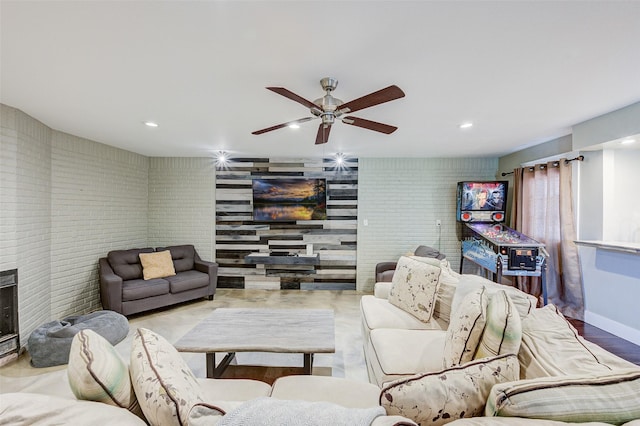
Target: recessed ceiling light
[(466, 125), (150, 124), (627, 141), (222, 158)]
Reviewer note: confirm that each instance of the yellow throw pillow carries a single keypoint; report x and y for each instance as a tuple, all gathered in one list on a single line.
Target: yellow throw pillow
[(157, 265)]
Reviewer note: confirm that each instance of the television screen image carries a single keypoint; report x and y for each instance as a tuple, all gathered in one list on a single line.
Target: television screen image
[(482, 201), (289, 199)]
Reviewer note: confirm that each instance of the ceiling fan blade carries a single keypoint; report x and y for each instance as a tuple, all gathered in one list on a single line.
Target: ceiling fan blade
[(289, 94), (381, 96), (323, 133), (368, 124), (280, 126)]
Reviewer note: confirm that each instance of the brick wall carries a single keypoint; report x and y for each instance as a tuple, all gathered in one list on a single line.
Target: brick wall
[(99, 203), (65, 201), (26, 208), (182, 203), (8, 188), (401, 199)]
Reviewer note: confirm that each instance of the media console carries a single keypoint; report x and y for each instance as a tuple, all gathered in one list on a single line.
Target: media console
[(282, 259)]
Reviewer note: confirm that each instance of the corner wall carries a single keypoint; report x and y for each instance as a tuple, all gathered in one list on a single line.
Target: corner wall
[(401, 198), (99, 203), (611, 280), (64, 202), (25, 161), (182, 203)]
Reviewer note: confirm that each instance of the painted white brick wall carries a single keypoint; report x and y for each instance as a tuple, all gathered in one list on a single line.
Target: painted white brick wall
[(8, 188), (26, 219), (401, 199), (99, 203), (64, 202), (182, 203)]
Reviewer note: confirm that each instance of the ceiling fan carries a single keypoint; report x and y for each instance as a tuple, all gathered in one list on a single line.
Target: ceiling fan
[(329, 108)]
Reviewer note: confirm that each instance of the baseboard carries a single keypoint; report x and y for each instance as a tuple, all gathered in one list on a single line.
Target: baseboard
[(621, 330)]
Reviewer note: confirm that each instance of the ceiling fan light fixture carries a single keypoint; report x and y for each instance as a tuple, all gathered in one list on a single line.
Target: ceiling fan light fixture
[(328, 119)]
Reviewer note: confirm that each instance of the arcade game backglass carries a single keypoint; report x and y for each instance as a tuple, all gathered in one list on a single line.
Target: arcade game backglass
[(489, 243)]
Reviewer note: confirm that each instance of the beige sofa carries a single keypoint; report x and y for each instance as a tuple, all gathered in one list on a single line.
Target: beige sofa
[(558, 375), (555, 377), (157, 387)]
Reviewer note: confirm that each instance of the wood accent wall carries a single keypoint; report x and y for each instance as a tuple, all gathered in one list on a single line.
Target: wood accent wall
[(333, 239)]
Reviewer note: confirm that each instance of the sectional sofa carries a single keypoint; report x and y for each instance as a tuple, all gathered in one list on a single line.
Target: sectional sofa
[(157, 387), (440, 348), (443, 346)]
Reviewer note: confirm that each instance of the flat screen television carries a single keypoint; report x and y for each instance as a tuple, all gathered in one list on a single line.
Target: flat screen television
[(289, 199), (482, 201)]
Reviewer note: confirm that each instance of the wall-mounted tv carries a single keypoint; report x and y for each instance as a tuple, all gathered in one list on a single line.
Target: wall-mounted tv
[(289, 199), (482, 201)]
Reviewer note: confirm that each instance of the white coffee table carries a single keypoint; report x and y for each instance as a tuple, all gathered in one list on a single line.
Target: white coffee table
[(231, 330)]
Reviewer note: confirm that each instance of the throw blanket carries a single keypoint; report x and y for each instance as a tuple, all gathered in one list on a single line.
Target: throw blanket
[(277, 412)]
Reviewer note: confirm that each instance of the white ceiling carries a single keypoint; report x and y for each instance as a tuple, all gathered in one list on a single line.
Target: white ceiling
[(523, 72)]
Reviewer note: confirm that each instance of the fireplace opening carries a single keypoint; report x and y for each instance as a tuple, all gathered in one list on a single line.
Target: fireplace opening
[(9, 337)]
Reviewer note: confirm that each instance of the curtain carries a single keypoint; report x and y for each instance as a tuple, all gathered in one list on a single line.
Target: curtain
[(543, 210)]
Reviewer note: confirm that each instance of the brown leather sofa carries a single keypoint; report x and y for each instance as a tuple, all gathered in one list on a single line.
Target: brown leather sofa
[(123, 289)]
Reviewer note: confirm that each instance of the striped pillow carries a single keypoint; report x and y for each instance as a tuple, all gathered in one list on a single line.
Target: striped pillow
[(503, 332), (610, 399), (97, 373), (465, 329), (444, 396)]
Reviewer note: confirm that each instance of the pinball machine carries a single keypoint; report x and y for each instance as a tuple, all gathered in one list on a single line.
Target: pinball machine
[(490, 244)]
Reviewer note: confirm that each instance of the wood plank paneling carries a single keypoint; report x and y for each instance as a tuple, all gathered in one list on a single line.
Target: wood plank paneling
[(238, 235)]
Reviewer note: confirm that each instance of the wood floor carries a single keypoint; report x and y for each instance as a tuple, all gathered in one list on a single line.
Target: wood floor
[(614, 344)]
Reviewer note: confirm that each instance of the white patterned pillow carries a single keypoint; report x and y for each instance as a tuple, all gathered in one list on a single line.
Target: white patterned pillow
[(465, 329), (444, 396), (414, 287), (165, 386), (447, 275), (611, 398), (97, 373), (503, 331), (447, 284)]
